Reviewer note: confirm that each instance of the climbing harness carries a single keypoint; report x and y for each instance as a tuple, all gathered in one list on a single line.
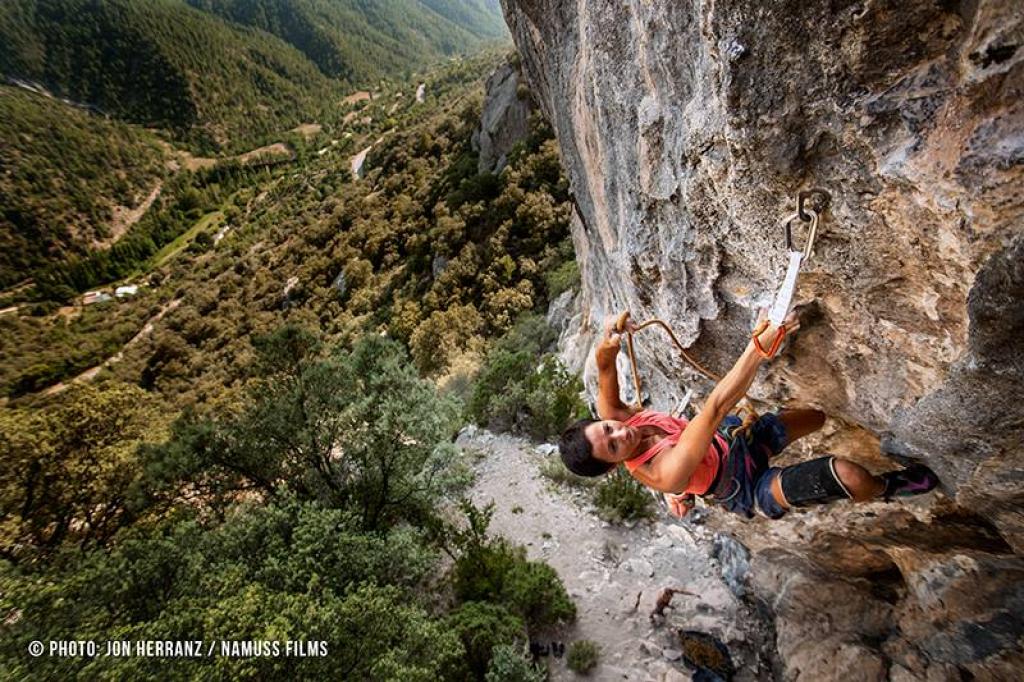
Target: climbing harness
[(780, 306)]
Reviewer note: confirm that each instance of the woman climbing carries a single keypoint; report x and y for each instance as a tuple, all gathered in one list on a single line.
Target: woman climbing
[(711, 456)]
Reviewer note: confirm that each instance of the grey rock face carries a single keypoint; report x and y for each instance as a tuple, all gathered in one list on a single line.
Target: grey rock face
[(734, 560), (504, 120), (687, 129)]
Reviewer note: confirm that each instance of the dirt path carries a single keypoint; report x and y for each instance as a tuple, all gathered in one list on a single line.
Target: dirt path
[(90, 374), (307, 130), (360, 96), (125, 217), (615, 574), (271, 151), (15, 288)]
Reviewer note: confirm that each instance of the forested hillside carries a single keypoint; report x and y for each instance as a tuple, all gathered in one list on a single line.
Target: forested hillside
[(265, 433), (360, 41), (163, 64), (222, 75), (63, 172)]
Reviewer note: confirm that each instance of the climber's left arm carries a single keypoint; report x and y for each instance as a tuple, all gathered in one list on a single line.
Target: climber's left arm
[(670, 472)]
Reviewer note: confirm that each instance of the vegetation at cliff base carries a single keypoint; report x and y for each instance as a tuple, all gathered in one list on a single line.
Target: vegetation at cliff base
[(278, 535), (257, 443)]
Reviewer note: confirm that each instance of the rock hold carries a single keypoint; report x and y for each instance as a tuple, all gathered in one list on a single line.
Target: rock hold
[(734, 560)]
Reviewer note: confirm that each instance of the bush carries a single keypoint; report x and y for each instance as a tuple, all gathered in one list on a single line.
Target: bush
[(443, 336), (492, 570), (554, 399), (553, 469), (481, 627), (566, 276), (533, 590), (582, 656), (519, 389), (619, 497), (510, 664)]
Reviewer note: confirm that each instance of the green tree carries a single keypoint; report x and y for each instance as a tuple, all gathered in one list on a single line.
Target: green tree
[(71, 471), (481, 626), (266, 573), (355, 429)]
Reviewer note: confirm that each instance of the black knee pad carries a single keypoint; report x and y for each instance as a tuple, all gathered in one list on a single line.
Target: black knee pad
[(814, 482)]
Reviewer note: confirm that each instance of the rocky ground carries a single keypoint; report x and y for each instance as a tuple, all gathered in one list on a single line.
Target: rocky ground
[(616, 574)]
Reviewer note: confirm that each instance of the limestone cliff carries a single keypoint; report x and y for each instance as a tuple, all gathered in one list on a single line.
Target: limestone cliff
[(687, 129), (503, 121)]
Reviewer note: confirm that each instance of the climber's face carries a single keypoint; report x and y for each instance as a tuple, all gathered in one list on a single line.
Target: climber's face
[(612, 441)]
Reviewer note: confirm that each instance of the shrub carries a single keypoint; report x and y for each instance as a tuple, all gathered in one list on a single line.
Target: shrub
[(566, 276), (520, 389), (482, 626), (500, 391), (510, 664), (621, 498), (553, 469), (554, 399), (582, 656), (443, 336), (494, 571), (533, 590)]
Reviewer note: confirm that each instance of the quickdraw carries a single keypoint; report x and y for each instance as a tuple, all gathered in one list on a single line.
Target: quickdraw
[(776, 315), (780, 306)]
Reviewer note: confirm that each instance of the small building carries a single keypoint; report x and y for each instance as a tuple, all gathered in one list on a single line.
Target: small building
[(127, 290), (90, 297)]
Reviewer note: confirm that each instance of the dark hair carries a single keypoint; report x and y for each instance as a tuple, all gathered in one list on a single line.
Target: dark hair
[(577, 452)]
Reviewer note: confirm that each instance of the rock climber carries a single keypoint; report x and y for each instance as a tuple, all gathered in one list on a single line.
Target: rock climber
[(711, 456)]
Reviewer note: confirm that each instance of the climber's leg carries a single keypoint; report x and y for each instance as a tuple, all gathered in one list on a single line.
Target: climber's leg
[(858, 481), (827, 479), (818, 481), (800, 423)]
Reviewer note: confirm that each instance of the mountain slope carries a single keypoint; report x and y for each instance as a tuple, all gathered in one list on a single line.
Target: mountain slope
[(62, 172), (481, 17), (359, 40), (161, 63)]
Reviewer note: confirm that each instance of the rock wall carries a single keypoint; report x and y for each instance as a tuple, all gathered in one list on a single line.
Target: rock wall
[(503, 121), (687, 129)]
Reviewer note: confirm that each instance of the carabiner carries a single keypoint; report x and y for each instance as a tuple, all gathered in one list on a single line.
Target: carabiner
[(811, 233), (822, 200)]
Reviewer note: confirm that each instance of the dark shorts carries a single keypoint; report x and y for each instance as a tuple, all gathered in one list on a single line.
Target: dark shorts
[(747, 466)]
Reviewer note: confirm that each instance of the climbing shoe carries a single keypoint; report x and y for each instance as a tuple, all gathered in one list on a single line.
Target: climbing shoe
[(916, 479)]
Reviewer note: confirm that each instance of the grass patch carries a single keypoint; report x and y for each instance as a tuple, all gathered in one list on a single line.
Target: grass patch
[(620, 498), (171, 250), (582, 656)]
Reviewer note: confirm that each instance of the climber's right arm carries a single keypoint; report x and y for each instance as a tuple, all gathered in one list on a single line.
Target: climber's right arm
[(671, 472), (609, 404)]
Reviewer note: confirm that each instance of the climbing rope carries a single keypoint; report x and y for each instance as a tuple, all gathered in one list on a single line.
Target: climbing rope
[(777, 313), (620, 327)]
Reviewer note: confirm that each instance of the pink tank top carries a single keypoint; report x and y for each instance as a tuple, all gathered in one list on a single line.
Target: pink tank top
[(673, 427)]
